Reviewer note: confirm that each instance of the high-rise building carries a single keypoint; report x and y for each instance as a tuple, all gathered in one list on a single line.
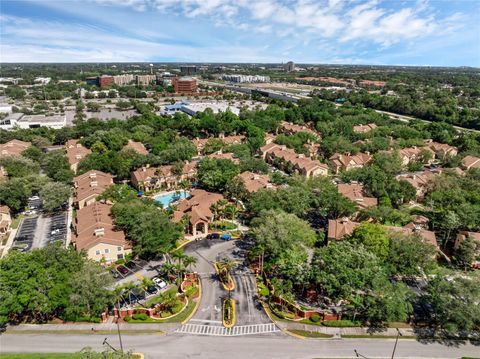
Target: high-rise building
[(289, 66), (188, 69), (184, 85)]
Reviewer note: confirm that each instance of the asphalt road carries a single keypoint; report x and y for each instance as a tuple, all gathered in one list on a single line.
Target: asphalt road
[(272, 346), (249, 310)]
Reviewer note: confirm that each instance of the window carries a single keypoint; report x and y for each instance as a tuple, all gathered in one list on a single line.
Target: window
[(97, 252), (107, 250), (119, 249), (119, 256)]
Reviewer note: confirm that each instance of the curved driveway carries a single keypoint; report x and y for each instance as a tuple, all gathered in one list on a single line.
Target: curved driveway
[(249, 310)]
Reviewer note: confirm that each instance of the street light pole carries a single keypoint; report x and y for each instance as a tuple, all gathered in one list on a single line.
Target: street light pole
[(396, 341), (118, 327), (105, 342), (358, 355)]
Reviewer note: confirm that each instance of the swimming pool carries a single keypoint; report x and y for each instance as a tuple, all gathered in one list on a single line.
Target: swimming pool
[(169, 197)]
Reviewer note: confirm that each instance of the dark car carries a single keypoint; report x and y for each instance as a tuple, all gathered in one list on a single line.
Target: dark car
[(131, 265), (122, 269), (152, 290), (213, 236)]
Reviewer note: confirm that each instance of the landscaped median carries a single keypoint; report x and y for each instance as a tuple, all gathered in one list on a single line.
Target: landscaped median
[(228, 315), (223, 271)]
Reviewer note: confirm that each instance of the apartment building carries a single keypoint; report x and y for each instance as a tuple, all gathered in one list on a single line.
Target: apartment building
[(95, 233), (290, 161), (355, 192), (88, 186), (75, 152), (344, 162), (153, 178)]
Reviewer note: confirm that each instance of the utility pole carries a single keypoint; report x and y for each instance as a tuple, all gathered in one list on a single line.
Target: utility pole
[(396, 341)]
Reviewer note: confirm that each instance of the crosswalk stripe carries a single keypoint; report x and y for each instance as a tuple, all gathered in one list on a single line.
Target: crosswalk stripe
[(216, 330)]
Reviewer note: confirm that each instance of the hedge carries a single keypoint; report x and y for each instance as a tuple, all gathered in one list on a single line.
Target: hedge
[(341, 323)]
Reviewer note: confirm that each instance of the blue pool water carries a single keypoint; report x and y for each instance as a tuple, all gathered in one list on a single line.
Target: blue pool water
[(167, 198)]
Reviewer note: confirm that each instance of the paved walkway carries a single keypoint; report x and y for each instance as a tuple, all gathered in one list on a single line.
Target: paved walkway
[(8, 245), (45, 328)]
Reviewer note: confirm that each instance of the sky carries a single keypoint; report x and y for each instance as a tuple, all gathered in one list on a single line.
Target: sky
[(393, 32)]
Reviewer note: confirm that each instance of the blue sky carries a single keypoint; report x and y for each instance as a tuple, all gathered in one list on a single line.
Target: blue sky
[(394, 32)]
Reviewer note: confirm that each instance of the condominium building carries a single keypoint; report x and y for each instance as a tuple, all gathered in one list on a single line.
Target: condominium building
[(122, 80), (145, 80)]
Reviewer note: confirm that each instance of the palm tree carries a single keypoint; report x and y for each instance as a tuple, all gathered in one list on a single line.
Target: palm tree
[(128, 289), (179, 256), (232, 211), (188, 261), (169, 269), (221, 204), (215, 208), (226, 265)]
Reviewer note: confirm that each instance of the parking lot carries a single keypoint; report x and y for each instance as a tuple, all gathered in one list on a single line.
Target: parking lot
[(57, 229), (25, 235)]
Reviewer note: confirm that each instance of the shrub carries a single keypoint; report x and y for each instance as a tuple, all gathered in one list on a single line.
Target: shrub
[(88, 319), (140, 316), (127, 318), (341, 323), (315, 318)]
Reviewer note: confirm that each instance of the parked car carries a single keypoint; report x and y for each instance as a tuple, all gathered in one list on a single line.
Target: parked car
[(114, 273), (159, 282), (152, 290), (131, 265), (122, 269), (213, 236), (226, 237)]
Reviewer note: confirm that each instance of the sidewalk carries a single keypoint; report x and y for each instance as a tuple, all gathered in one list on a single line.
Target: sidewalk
[(339, 332), (8, 245), (97, 327)]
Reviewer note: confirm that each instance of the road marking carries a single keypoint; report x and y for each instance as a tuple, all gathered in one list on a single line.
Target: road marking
[(216, 330), (206, 321)]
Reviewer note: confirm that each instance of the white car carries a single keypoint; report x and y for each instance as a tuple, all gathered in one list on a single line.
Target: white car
[(159, 283)]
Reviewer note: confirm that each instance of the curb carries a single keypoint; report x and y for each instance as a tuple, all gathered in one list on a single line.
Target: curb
[(197, 303), (298, 336), (234, 314)]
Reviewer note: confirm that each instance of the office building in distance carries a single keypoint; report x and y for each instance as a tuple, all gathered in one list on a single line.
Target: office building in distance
[(184, 85), (289, 66), (245, 78), (188, 69)]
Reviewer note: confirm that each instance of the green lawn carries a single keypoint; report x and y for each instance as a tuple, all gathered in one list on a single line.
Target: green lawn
[(88, 355), (305, 333), (42, 356)]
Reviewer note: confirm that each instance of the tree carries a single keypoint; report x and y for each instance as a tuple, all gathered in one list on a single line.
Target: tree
[(18, 166), (41, 284), (351, 272), (465, 253), (54, 194), (373, 237), (90, 294), (56, 166), (410, 255), (213, 145), (149, 227), (16, 191), (215, 174), (93, 106), (454, 302), (278, 234)]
